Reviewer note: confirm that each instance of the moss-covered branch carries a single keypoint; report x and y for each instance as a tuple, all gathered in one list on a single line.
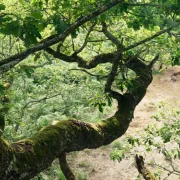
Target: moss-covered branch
[(26, 158), (142, 169)]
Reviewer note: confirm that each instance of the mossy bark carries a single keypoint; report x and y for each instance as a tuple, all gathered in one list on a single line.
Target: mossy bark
[(65, 168), (26, 158), (142, 169)]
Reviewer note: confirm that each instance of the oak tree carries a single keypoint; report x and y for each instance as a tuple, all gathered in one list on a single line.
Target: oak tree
[(129, 35)]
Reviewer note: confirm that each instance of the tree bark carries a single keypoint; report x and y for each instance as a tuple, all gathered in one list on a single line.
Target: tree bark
[(65, 168), (142, 169), (24, 159)]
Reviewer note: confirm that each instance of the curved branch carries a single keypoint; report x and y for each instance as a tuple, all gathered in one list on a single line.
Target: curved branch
[(153, 61), (26, 158), (143, 79), (95, 75), (103, 58), (99, 59), (39, 100), (86, 39)]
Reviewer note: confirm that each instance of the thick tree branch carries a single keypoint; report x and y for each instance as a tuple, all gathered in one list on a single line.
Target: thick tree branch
[(10, 62), (143, 79), (103, 58), (99, 59), (26, 158)]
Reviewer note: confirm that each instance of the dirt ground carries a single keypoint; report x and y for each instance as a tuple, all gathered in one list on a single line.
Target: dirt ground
[(97, 165)]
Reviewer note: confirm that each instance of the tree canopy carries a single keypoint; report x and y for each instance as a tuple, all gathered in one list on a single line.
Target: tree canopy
[(48, 45)]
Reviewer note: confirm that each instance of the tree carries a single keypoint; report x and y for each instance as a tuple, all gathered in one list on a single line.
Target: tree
[(112, 31)]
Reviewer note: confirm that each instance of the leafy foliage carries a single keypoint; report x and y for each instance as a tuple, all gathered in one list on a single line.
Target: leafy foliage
[(160, 137), (43, 89)]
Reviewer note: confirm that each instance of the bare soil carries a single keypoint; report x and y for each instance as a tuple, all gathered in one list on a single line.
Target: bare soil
[(97, 165)]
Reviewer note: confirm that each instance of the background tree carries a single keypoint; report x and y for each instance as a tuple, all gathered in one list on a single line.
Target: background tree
[(40, 39)]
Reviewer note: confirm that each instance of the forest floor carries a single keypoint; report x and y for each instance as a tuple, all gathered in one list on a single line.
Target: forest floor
[(96, 164)]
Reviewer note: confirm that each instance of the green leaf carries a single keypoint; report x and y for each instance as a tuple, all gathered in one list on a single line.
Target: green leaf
[(28, 70), (60, 25), (100, 108), (2, 7), (31, 33), (74, 34), (164, 1), (2, 88), (36, 14), (5, 19), (12, 28), (109, 99)]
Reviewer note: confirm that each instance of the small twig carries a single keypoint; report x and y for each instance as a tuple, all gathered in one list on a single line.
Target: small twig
[(153, 61), (86, 39), (139, 15), (113, 72), (2, 124), (39, 100), (35, 66), (173, 171), (171, 160), (148, 4), (73, 47), (95, 75), (110, 36)]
